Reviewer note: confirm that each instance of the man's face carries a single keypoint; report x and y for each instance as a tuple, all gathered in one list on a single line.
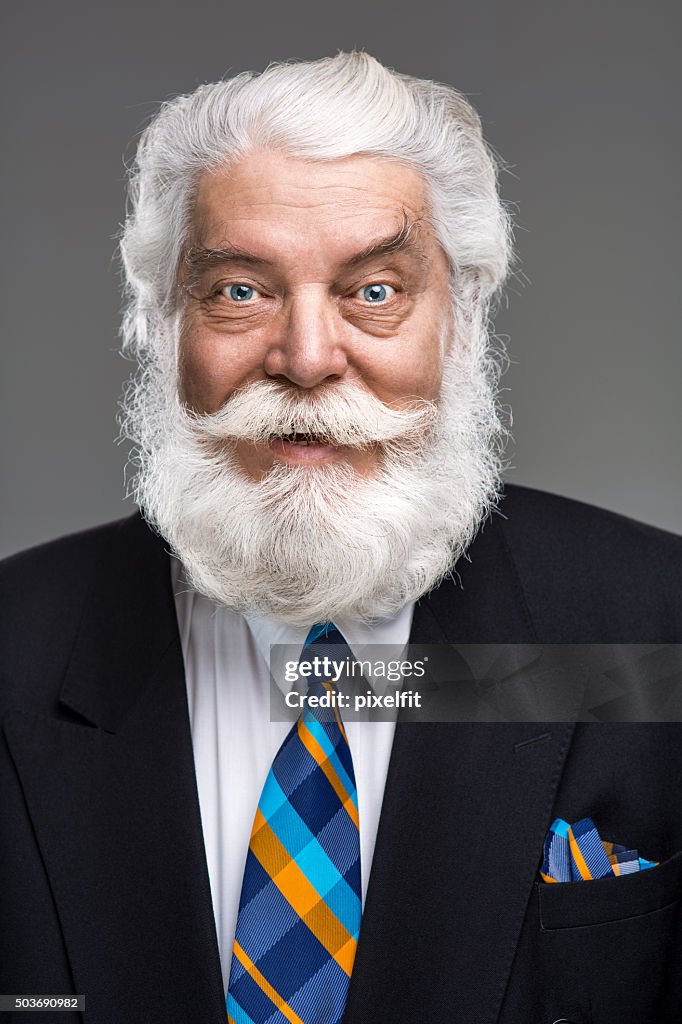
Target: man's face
[(311, 274), (316, 300)]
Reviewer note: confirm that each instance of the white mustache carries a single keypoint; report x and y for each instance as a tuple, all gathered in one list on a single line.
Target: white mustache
[(342, 414)]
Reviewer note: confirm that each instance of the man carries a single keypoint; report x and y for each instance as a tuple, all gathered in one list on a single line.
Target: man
[(311, 255)]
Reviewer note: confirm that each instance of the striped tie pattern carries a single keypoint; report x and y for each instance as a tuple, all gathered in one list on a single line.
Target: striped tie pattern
[(300, 907)]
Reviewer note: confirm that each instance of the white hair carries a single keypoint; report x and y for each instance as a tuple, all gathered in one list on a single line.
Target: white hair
[(326, 109)]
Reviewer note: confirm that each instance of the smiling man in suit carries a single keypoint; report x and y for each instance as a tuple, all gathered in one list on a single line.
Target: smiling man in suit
[(311, 255)]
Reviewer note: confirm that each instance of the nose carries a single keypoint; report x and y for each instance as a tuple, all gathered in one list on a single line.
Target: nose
[(309, 347)]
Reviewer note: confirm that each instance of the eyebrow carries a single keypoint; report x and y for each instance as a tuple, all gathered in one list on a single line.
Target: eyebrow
[(403, 240), (200, 258)]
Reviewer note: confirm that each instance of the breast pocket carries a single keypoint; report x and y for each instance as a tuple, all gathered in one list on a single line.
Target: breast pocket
[(611, 949)]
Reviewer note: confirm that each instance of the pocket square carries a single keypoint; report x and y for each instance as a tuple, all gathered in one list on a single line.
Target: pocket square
[(575, 853)]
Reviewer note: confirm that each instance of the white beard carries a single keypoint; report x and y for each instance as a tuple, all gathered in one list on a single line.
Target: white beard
[(312, 543)]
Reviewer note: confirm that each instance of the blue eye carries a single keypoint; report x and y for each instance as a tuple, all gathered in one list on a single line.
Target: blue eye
[(241, 292), (377, 292)]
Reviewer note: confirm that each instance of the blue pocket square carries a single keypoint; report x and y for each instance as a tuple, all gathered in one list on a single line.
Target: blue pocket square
[(575, 853)]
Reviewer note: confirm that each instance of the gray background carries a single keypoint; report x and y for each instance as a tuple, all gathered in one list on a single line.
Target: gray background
[(582, 101)]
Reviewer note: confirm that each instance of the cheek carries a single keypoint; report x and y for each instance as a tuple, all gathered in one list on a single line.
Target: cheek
[(429, 374), (411, 364), (407, 372), (210, 368)]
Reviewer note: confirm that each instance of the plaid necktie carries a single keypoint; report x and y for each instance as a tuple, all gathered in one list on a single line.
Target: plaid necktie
[(300, 906)]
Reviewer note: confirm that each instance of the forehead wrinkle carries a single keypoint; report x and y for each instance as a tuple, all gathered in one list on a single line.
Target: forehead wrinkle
[(201, 257), (306, 187)]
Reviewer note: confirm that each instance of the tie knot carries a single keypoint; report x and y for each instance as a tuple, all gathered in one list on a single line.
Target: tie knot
[(328, 656), (324, 633)]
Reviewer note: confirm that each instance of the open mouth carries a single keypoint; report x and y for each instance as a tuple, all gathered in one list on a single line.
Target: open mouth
[(305, 448), (304, 439)]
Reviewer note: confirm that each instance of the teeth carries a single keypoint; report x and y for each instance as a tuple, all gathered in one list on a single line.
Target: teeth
[(301, 439)]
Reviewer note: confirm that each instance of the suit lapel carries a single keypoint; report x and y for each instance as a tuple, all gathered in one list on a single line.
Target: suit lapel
[(465, 811), (112, 795)]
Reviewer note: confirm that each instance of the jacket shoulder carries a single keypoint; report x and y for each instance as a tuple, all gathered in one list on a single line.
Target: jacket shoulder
[(556, 520), (43, 593), (594, 564), (56, 567)]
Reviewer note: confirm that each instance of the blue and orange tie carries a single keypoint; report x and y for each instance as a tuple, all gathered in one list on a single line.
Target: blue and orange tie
[(300, 907)]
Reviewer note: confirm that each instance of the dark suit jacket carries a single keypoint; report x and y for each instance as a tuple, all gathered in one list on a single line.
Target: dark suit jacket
[(103, 877)]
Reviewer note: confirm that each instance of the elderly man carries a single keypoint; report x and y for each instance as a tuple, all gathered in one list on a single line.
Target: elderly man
[(311, 254)]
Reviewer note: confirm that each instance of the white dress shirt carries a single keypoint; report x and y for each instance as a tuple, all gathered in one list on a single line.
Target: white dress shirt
[(228, 688)]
